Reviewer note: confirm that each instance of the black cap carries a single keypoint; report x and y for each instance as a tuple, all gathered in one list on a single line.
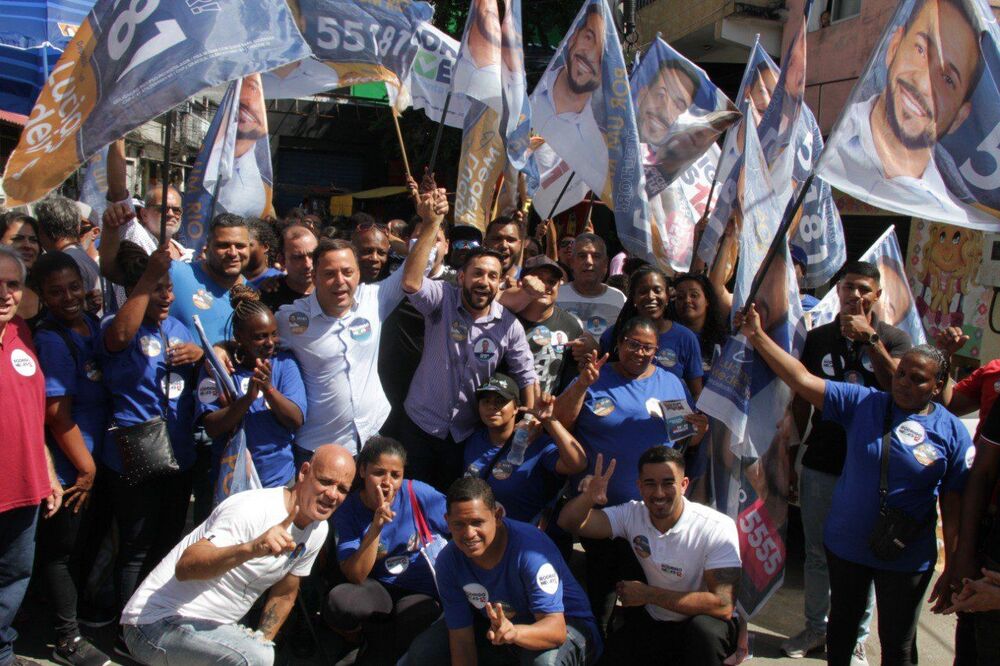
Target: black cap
[(502, 384), (540, 261)]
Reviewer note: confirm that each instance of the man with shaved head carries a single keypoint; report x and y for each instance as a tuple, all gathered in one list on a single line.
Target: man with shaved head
[(190, 605)]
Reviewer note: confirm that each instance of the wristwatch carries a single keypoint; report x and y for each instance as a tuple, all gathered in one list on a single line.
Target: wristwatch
[(872, 339)]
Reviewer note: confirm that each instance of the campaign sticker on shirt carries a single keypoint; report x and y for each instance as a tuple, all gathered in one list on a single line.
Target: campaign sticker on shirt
[(603, 406), (596, 325), (397, 565), (459, 332), (473, 470), (176, 386), (667, 358), (970, 456), (559, 341), (92, 371), (300, 548), (202, 299), (485, 349), (910, 433), (640, 544), (547, 578), (926, 454), (245, 386), (413, 543), (853, 377), (866, 362), (150, 346), (672, 570), (208, 391), (23, 363), (502, 470), (827, 365), (706, 366), (476, 594), (541, 336), (298, 322), (360, 330)]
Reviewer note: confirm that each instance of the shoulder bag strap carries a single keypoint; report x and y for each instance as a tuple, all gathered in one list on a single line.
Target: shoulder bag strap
[(883, 484), (485, 474), (165, 387), (423, 530), (48, 325)]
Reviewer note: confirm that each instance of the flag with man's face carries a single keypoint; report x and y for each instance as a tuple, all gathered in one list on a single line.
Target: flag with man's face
[(679, 111), (582, 107), (920, 133), (232, 173), (130, 62)]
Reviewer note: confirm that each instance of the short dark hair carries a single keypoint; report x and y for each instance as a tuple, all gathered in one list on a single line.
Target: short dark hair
[(378, 446), (481, 252), (503, 221), (862, 268), (59, 218), (52, 262), (228, 221), (592, 239), (263, 233), (361, 218), (658, 455), (634, 323), (469, 489), (132, 261), (10, 217), (327, 245)]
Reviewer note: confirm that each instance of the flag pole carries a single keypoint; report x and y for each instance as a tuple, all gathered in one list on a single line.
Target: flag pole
[(437, 139), (779, 239), (168, 139), (402, 146), (561, 193)]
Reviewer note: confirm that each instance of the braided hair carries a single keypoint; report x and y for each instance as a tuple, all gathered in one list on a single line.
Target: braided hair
[(247, 306)]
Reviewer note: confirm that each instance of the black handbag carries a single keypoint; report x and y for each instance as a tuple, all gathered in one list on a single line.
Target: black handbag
[(894, 528), (145, 447)]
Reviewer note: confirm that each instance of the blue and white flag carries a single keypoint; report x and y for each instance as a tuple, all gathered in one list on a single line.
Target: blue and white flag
[(583, 109), (232, 173), (431, 75), (920, 133), (129, 62), (896, 305), (679, 112), (94, 189)]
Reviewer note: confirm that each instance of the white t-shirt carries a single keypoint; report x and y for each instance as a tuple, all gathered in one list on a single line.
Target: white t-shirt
[(239, 519), (677, 560), (596, 313)]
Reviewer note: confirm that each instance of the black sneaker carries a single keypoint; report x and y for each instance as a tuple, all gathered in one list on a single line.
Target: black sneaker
[(79, 652)]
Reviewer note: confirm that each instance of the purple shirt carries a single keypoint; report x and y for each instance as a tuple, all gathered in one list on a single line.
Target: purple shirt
[(460, 354)]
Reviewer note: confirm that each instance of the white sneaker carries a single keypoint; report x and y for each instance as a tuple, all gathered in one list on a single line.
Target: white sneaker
[(803, 643), (859, 658)]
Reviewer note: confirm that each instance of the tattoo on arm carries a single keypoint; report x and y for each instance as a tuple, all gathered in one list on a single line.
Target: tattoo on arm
[(725, 583), (270, 621)]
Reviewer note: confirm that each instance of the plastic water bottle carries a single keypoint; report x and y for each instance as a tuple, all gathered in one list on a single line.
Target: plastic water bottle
[(520, 444)]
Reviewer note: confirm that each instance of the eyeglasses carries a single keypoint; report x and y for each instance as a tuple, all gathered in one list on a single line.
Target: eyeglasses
[(566, 242), (465, 245), (636, 347), (156, 208)]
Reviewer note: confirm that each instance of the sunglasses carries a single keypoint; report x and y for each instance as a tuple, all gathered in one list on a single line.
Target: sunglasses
[(636, 347), (365, 226), (465, 245), (568, 242), (156, 208)]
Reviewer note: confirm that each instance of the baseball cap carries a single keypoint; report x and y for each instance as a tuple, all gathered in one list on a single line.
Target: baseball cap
[(539, 262), (502, 384)]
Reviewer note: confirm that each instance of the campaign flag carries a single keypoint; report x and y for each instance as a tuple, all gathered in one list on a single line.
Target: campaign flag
[(362, 42), (920, 133), (232, 173), (236, 468), (555, 178), (131, 61), (431, 75), (896, 305), (583, 109), (679, 112), (94, 188)]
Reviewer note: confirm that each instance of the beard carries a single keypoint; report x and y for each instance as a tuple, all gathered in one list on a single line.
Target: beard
[(586, 86), (473, 298), (925, 139)]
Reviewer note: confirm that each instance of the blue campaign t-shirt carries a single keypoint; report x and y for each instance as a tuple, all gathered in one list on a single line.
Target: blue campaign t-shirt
[(195, 293), (523, 489), (399, 561), (77, 375), (269, 442), (677, 351), (615, 421), (929, 454), (137, 378), (530, 578), (269, 273)]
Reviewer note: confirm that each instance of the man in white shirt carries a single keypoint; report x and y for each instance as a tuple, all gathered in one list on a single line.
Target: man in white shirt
[(477, 72), (587, 298), (335, 334), (188, 608), (245, 192), (561, 110), (689, 553), (882, 148)]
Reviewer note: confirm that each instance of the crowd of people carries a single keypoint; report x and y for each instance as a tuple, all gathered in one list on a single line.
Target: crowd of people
[(437, 416)]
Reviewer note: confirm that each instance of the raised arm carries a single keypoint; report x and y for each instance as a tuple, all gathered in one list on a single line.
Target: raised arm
[(432, 208), (570, 402), (579, 516), (126, 323), (358, 566), (572, 457), (787, 367)]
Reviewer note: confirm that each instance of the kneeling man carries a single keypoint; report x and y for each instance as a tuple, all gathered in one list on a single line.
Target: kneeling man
[(689, 553), (188, 609)]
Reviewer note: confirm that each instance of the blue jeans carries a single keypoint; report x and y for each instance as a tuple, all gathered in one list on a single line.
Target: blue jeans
[(17, 554), (190, 642), (815, 497), (432, 647)]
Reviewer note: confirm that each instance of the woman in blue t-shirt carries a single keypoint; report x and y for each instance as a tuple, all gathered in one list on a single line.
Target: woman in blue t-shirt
[(929, 457), (614, 408), (677, 350), (390, 596), (696, 305), (76, 418), (273, 401), (148, 364), (523, 487)]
